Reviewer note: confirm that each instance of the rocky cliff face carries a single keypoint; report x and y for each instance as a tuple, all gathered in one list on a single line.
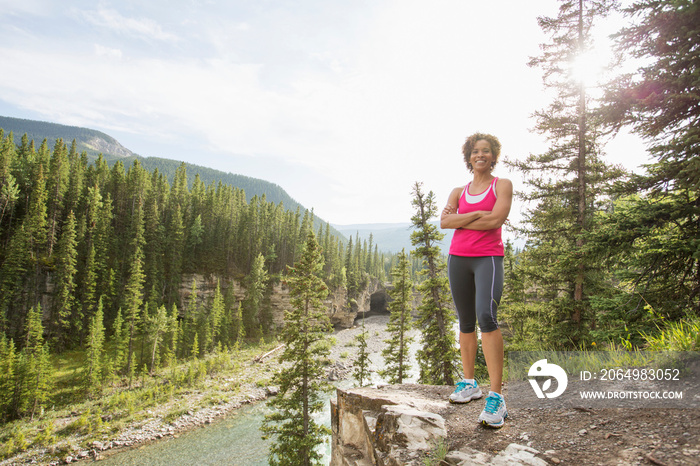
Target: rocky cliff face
[(107, 146), (401, 425), (372, 298)]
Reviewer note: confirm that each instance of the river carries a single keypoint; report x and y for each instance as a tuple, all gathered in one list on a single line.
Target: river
[(233, 440)]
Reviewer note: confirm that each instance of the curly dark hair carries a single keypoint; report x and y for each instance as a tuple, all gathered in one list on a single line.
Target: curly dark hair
[(471, 141)]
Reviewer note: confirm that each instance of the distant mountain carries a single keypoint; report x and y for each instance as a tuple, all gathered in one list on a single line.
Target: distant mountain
[(390, 237), (252, 186), (91, 141), (95, 142)]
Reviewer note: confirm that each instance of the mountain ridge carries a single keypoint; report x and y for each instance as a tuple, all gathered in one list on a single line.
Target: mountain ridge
[(88, 140), (95, 142), (391, 237)]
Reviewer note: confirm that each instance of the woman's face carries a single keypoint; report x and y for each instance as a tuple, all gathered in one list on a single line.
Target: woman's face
[(481, 157)]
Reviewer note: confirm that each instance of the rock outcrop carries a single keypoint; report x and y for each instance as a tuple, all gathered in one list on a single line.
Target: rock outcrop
[(401, 425)]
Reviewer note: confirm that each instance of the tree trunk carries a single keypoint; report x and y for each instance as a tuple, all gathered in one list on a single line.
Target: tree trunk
[(581, 175)]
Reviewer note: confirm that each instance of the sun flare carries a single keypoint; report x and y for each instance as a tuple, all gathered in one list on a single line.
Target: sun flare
[(587, 68)]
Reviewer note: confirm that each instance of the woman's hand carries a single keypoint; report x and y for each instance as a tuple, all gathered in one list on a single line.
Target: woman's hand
[(449, 209)]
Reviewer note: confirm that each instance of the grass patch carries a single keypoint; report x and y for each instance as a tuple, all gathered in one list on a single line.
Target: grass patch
[(683, 335), (437, 454), (71, 422)]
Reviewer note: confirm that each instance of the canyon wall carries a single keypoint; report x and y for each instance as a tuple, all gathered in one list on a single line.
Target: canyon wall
[(371, 299)]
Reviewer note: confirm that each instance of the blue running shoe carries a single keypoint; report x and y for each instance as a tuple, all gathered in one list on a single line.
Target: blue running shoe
[(465, 392), (495, 412)]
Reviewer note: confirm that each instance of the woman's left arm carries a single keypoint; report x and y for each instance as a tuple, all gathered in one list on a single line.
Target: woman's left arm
[(500, 211)]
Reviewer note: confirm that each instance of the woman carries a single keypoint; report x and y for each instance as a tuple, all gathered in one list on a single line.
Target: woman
[(475, 269)]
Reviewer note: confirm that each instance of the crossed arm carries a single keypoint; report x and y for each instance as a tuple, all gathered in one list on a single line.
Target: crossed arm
[(481, 219)]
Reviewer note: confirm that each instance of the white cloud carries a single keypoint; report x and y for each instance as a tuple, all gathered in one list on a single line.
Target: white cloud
[(102, 51), (13, 7), (344, 120), (111, 19)]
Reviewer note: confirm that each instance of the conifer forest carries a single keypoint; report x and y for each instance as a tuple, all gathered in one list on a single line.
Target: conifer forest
[(97, 259), (95, 256)]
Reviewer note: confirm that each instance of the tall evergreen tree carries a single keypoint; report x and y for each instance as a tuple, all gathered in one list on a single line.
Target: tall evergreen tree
[(57, 184), (238, 327), (654, 233), (133, 291), (569, 180), (438, 356), (216, 316), (396, 354), (94, 358), (9, 194), (254, 294), (305, 336), (33, 376), (120, 345), (157, 325), (67, 315), (362, 370), (12, 280), (36, 231), (189, 323), (8, 362)]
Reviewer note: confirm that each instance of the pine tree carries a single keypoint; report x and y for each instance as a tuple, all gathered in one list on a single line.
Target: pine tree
[(653, 232), (396, 354), (94, 357), (157, 325), (189, 324), (88, 285), (173, 337), (194, 351), (57, 184), (120, 344), (438, 356), (306, 347), (12, 278), (35, 229), (34, 369), (133, 291), (362, 371), (216, 315), (253, 301), (8, 362), (238, 327), (570, 180), (67, 315), (9, 194)]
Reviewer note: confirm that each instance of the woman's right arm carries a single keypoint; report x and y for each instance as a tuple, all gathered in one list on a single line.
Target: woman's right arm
[(450, 219)]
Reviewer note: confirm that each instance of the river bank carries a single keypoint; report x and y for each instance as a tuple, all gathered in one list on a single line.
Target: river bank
[(213, 399)]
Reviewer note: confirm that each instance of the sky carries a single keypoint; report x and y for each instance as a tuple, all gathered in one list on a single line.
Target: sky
[(343, 103)]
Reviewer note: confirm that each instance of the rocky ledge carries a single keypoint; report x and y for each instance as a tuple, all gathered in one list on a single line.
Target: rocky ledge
[(401, 425)]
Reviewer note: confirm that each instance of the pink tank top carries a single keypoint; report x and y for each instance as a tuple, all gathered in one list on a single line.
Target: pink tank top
[(477, 243)]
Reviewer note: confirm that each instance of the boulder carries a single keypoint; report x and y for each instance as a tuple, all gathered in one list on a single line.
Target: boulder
[(387, 426), (396, 425)]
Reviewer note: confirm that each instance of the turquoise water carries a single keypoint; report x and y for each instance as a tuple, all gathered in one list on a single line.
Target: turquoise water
[(234, 440)]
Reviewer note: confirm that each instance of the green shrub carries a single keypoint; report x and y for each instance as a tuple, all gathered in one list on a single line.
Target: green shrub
[(46, 436), (683, 335)]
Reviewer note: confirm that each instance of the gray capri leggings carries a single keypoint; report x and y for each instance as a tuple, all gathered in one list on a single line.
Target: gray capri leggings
[(477, 285)]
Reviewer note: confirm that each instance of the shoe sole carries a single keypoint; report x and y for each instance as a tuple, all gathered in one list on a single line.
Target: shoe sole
[(465, 401), (495, 426)]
